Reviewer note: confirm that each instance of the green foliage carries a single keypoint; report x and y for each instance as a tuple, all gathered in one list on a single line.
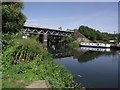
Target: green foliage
[(40, 67), (26, 50), (95, 35), (8, 39), (69, 42), (12, 17), (67, 39), (73, 44)]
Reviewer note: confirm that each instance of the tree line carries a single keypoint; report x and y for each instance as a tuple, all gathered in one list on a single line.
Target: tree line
[(96, 35)]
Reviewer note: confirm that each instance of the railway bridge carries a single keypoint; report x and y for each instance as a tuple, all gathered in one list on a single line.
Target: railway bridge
[(45, 32)]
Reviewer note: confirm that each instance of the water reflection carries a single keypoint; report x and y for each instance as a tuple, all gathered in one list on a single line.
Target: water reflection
[(82, 54), (59, 51), (94, 68), (95, 49), (87, 54)]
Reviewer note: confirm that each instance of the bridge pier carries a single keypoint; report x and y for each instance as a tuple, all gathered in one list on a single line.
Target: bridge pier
[(43, 39)]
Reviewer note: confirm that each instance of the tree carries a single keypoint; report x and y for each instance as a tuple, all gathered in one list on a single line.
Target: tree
[(12, 17), (95, 35)]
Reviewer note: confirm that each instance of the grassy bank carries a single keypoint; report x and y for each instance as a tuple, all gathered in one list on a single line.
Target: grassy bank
[(26, 61)]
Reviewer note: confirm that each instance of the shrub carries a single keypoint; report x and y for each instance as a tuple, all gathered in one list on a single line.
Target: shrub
[(37, 65), (26, 50), (73, 45)]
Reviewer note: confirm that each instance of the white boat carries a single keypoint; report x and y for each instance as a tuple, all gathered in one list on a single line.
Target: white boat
[(98, 45)]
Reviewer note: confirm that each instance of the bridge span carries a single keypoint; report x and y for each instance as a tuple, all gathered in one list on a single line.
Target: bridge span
[(44, 32), (38, 30)]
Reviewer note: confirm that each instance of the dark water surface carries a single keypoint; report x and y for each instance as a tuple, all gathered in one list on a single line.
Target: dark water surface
[(92, 68)]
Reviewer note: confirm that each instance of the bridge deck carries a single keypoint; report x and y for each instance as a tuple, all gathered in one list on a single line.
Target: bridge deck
[(36, 30), (47, 29)]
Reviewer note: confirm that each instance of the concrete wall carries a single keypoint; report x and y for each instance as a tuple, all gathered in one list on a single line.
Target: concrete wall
[(80, 37)]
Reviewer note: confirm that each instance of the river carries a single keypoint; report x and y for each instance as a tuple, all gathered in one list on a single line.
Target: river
[(90, 67)]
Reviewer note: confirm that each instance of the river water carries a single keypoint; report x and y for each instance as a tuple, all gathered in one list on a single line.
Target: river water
[(92, 67)]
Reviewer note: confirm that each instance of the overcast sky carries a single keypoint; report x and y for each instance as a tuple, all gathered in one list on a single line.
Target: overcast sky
[(102, 16)]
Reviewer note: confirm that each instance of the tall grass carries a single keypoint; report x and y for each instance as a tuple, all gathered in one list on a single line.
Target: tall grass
[(26, 61)]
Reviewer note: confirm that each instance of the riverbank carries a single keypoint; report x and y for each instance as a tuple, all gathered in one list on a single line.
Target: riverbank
[(26, 61)]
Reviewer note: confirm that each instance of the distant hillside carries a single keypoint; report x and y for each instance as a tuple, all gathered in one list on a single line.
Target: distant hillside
[(95, 35)]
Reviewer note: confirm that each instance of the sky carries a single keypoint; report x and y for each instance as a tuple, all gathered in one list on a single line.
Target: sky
[(102, 16)]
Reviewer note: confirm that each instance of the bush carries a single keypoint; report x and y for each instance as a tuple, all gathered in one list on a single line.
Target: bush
[(25, 50), (8, 39), (37, 65), (73, 45)]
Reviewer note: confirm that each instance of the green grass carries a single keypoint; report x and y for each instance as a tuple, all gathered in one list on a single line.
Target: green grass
[(37, 64)]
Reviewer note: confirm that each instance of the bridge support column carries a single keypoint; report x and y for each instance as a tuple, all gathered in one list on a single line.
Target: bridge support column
[(43, 39)]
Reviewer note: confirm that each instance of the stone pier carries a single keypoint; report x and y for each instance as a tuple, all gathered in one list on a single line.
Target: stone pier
[(43, 39)]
